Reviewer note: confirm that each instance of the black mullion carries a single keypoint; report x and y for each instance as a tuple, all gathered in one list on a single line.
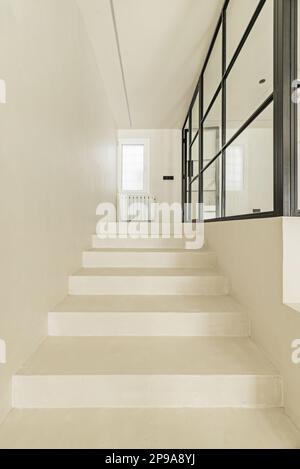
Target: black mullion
[(226, 71), (207, 57), (277, 137), (246, 216), (212, 44), (184, 171), (185, 122), (189, 173), (265, 104), (278, 107), (244, 37), (224, 51), (236, 54), (219, 25), (282, 165), (194, 139), (214, 98), (294, 115), (193, 99), (283, 109), (201, 189)]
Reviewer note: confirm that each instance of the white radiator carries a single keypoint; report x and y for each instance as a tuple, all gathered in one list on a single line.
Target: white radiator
[(136, 207)]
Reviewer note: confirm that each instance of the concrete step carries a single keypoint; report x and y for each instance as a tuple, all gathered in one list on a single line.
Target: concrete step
[(148, 316), (151, 258), (138, 243), (149, 429), (148, 282), (147, 372)]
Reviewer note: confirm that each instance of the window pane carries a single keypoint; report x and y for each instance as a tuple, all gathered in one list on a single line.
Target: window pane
[(132, 167), (245, 93), (212, 190), (186, 148), (213, 72), (212, 132), (192, 209), (195, 150), (239, 14), (195, 157), (249, 168), (235, 168), (195, 209), (195, 117)]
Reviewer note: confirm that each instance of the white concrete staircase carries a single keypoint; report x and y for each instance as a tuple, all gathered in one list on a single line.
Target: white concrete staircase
[(147, 325)]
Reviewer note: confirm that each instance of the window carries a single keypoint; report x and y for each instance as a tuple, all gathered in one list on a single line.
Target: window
[(238, 16), (250, 168), (250, 81), (133, 166), (236, 129), (213, 72)]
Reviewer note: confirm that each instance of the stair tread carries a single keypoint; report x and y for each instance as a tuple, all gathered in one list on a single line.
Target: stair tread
[(147, 356), (149, 428), (146, 272), (145, 250), (148, 304)]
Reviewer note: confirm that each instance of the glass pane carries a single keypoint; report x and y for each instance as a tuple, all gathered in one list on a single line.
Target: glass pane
[(192, 208), (212, 132), (195, 150), (186, 147), (212, 190), (195, 157), (250, 81), (249, 168), (239, 14), (195, 211), (195, 117), (132, 167), (213, 72)]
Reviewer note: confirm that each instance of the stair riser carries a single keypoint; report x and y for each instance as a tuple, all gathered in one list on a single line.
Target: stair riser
[(139, 243), (150, 259), (147, 324), (146, 391), (146, 285)]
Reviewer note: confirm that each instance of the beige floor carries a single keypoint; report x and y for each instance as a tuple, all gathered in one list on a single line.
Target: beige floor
[(149, 429)]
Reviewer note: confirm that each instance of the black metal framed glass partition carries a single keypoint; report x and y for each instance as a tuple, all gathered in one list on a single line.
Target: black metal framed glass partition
[(296, 107), (241, 124)]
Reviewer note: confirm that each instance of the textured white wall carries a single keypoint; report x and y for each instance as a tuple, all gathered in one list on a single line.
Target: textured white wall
[(250, 252), (291, 261), (57, 162)]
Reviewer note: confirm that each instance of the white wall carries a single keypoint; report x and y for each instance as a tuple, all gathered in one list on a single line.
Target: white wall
[(250, 252), (165, 160), (291, 261), (57, 161)]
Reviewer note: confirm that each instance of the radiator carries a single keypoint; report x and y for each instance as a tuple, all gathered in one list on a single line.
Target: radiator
[(136, 207)]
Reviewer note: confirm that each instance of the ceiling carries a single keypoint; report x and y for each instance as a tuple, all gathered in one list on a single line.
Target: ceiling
[(150, 54)]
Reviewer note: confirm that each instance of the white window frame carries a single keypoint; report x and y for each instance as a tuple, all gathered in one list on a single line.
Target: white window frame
[(135, 141)]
